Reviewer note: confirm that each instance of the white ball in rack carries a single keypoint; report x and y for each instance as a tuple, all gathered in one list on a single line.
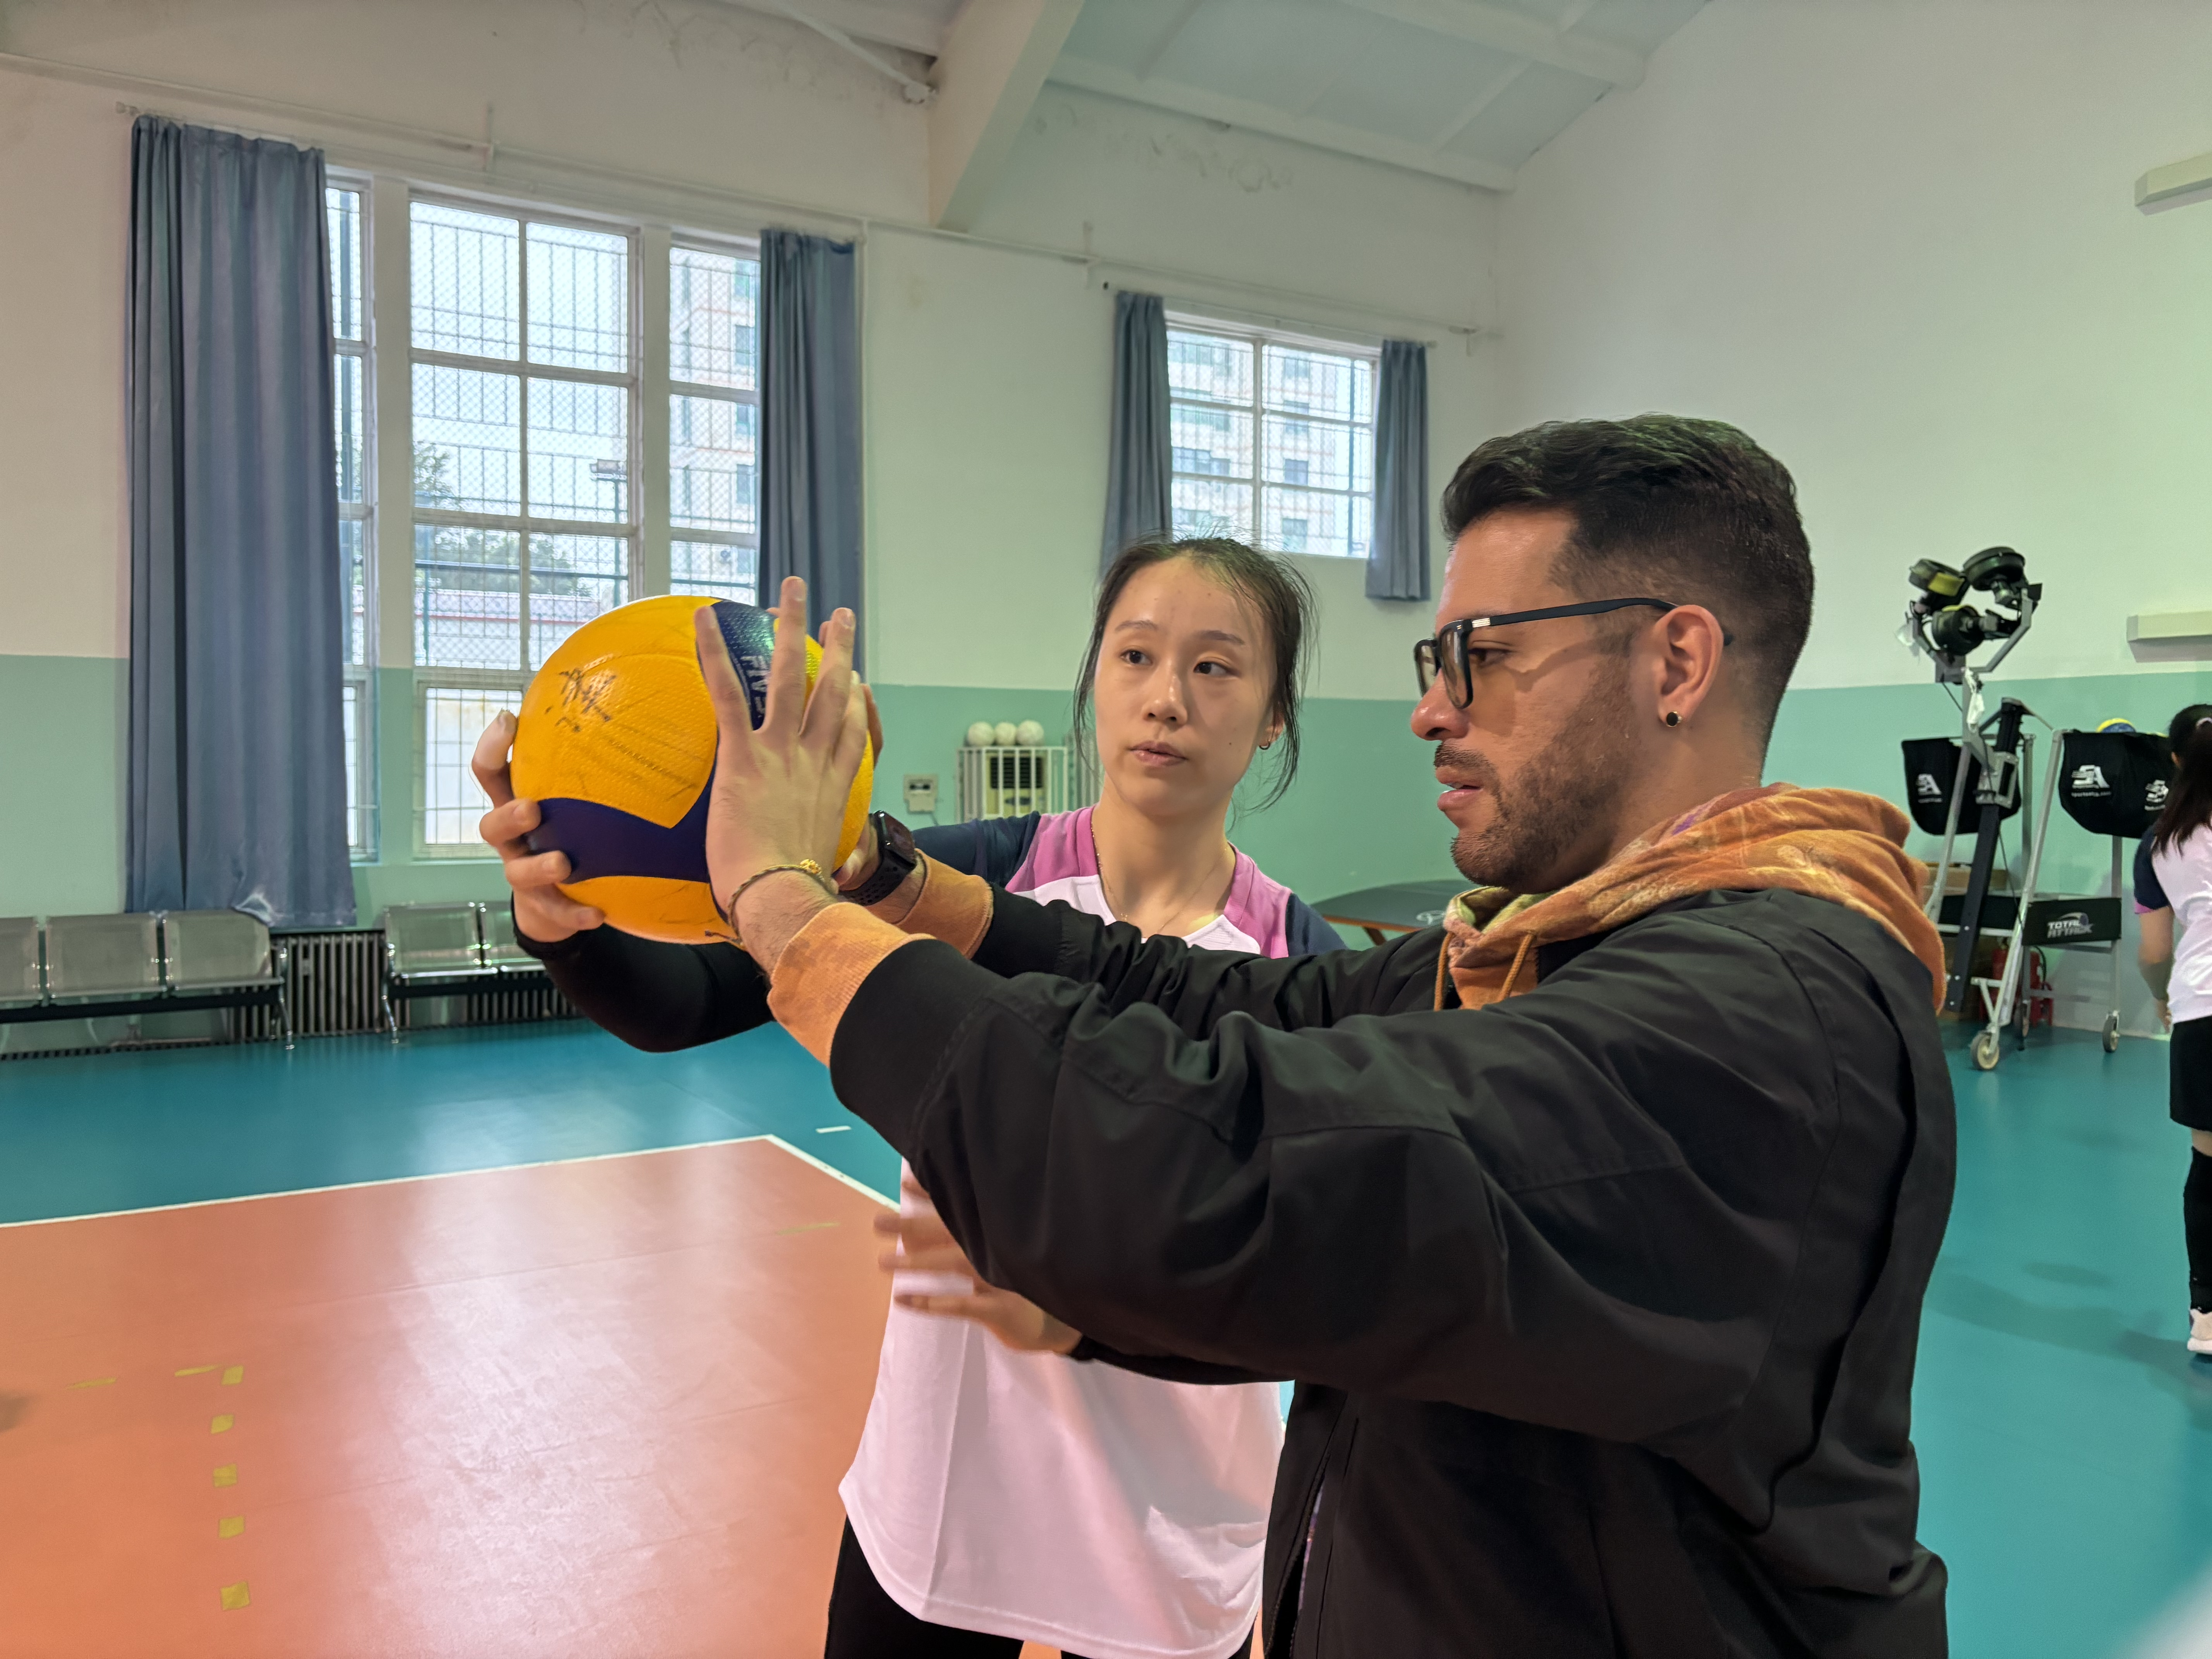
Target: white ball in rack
[(982, 734)]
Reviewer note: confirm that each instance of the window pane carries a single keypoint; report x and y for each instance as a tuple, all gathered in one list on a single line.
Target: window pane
[(1309, 382), (1306, 453), (572, 579), (1363, 459), (579, 298), (463, 271), (1363, 526), (468, 440), (1304, 521), (578, 451), (468, 598), (711, 480), (1214, 442), (346, 409), (453, 719), (350, 695), (1363, 392), (1206, 366), (353, 574), (1203, 507), (711, 311), (343, 209), (715, 568)]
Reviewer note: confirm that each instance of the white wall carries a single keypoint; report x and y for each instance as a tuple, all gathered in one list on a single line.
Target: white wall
[(1895, 240), (986, 368)]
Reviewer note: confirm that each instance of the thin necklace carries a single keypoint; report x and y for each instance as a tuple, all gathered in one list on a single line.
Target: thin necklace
[(1177, 911)]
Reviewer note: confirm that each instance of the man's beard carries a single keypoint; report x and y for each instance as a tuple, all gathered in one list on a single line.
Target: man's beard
[(1557, 802)]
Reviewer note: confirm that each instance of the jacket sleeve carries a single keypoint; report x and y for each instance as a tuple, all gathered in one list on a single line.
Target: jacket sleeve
[(1580, 1208), (654, 996)]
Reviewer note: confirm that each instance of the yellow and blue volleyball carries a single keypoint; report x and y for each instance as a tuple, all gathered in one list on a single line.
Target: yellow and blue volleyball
[(616, 743)]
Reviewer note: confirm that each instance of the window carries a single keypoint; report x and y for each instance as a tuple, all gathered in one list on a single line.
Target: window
[(713, 423), (526, 526), (354, 446), (1273, 439)]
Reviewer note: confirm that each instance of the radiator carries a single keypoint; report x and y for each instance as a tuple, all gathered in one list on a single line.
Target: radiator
[(334, 978)]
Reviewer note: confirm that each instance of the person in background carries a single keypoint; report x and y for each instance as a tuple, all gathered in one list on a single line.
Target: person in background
[(2174, 894), (1002, 1492)]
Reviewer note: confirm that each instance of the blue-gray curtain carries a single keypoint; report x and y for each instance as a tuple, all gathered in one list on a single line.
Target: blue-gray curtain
[(1397, 559), (1140, 458), (237, 793), (810, 433)]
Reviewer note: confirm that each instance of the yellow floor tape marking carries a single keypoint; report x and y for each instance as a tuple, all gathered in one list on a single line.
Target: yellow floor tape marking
[(234, 1376), (226, 1475), (811, 1227), (93, 1382), (230, 1526), (194, 1370), (221, 1425), (235, 1597)]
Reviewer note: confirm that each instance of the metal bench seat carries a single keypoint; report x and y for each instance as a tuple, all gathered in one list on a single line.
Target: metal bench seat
[(141, 963), (450, 950)]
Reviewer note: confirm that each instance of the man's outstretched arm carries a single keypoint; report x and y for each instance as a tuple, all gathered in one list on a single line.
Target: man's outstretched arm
[(1474, 1208)]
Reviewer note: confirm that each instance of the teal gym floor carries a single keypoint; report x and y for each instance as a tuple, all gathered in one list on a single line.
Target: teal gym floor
[(2065, 1434)]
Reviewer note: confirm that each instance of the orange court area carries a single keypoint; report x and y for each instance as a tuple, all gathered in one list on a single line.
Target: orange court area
[(590, 1408)]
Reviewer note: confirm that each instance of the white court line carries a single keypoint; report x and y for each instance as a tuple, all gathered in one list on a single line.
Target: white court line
[(828, 1170), (450, 1174)]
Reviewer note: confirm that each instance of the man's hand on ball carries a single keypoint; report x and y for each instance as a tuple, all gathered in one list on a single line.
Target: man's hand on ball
[(541, 911), (778, 792)]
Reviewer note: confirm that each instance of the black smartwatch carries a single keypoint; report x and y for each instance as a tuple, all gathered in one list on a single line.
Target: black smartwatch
[(896, 857)]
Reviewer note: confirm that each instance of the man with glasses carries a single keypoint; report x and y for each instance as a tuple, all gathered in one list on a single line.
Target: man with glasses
[(1594, 1225)]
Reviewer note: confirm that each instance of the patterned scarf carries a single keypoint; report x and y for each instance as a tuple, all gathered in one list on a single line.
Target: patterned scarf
[(1834, 844)]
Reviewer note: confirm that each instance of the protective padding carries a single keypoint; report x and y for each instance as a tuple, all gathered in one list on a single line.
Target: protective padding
[(616, 742)]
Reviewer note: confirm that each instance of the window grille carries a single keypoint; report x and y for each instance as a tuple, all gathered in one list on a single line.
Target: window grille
[(1273, 438), (713, 415)]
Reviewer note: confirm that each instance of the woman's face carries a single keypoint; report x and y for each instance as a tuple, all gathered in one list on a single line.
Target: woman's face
[(1180, 695)]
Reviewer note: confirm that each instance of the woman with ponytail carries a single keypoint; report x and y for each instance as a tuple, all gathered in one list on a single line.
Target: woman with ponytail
[(2173, 892)]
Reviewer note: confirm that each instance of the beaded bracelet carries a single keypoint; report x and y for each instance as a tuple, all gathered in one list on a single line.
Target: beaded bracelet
[(803, 867)]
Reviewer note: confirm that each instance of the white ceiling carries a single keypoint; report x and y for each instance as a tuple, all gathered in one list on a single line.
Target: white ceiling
[(1464, 89)]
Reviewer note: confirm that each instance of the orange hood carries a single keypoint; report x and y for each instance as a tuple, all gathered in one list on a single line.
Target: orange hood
[(1834, 844)]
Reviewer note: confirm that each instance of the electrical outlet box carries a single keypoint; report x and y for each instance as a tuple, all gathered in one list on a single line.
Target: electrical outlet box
[(921, 791)]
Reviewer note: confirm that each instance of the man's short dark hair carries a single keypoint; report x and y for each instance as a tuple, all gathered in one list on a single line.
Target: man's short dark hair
[(1682, 509)]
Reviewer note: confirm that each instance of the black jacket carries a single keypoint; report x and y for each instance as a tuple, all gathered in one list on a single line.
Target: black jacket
[(1602, 1302)]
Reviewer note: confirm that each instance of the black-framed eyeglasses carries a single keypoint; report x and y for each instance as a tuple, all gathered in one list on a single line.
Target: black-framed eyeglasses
[(1446, 654)]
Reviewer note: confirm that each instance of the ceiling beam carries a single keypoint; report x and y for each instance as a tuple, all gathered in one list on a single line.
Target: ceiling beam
[(993, 65), (1516, 33), (1112, 83), (2177, 184)]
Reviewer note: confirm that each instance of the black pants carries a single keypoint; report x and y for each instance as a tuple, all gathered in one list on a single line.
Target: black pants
[(865, 1623)]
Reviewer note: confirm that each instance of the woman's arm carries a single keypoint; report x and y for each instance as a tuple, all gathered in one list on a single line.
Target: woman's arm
[(653, 996), (2154, 955)]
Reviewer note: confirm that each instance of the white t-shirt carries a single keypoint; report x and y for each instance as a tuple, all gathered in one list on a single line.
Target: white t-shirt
[(1071, 1504), (2185, 876)]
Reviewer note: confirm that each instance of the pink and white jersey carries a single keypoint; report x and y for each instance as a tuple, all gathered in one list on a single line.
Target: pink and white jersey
[(1075, 1506), (1062, 864)]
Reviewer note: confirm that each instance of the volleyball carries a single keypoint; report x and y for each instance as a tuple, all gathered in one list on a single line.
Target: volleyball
[(616, 743), (1004, 733), (1030, 733), (981, 735)]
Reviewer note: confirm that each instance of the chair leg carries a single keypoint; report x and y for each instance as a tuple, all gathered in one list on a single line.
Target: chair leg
[(391, 1013)]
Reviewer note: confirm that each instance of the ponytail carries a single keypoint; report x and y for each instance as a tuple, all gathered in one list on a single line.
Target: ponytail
[(2189, 807)]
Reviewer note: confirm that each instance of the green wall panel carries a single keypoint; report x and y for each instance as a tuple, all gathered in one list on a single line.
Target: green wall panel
[(1363, 812), (1848, 737), (62, 747)]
